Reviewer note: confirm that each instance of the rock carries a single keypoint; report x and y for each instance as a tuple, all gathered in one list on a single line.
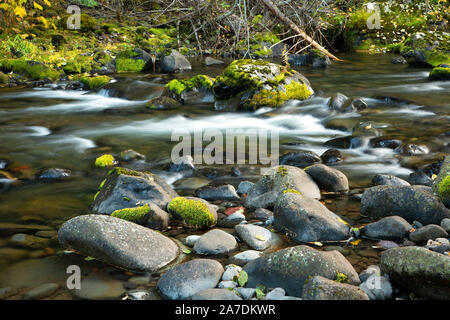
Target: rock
[(399, 60), (216, 294), (227, 285), (27, 241), (231, 271), (409, 202), (150, 216), (371, 270), (410, 149), (140, 295), (327, 178), (332, 156), (441, 72), (211, 61), (385, 142), (125, 188), (419, 270), (428, 232), (192, 212), (196, 90), (388, 228), (250, 84), (289, 268), (118, 242), (387, 180), (224, 192), (276, 294), (175, 62), (445, 224), (255, 237), (348, 142), (242, 258), (132, 60), (54, 174), (244, 186), (313, 58), (420, 178), (185, 163), (262, 214), (187, 279), (215, 242), (306, 220), (377, 288), (163, 103), (231, 220), (337, 102), (130, 155), (277, 179), (246, 293), (419, 50), (299, 159), (320, 288), (7, 229), (441, 185), (41, 292), (99, 288), (191, 240)]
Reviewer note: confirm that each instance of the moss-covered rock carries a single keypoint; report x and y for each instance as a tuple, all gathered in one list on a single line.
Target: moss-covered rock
[(148, 215), (163, 103), (95, 83), (192, 212), (422, 51), (32, 69), (440, 73), (444, 191), (197, 89), (105, 160), (135, 60), (87, 23), (441, 183), (257, 83), (4, 79)]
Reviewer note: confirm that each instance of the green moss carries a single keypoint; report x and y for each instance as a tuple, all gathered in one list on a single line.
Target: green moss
[(444, 189), (105, 160), (4, 79), (31, 69), (282, 171), (132, 214), (268, 37), (100, 187), (199, 81), (128, 61), (292, 191), (87, 23), (95, 83), (128, 172), (95, 196), (193, 213), (340, 277), (440, 73), (276, 98)]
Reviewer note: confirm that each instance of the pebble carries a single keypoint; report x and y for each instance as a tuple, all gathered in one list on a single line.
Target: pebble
[(227, 285), (231, 271), (41, 292), (276, 294)]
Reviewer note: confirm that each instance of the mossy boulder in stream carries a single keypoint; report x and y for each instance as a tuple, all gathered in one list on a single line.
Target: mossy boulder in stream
[(416, 269), (125, 188), (421, 51), (31, 69), (440, 73), (195, 90), (192, 212), (148, 215), (132, 60), (105, 160), (249, 84), (95, 83), (441, 185)]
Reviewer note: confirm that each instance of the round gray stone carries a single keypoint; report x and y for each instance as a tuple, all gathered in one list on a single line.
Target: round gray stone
[(256, 237)]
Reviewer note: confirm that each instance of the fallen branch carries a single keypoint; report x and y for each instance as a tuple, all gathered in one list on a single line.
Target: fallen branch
[(272, 7)]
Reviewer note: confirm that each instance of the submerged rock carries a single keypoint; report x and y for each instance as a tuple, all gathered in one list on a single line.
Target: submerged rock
[(290, 268), (187, 279), (54, 174), (250, 84), (99, 288), (211, 61), (349, 142), (409, 202), (419, 270), (320, 288), (327, 178), (306, 220), (125, 188), (130, 155), (163, 103), (118, 242), (267, 190)]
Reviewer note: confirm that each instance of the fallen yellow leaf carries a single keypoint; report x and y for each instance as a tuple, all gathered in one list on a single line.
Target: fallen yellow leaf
[(260, 238), (356, 242)]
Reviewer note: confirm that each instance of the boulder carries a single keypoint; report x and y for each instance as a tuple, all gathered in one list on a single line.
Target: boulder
[(332, 156), (150, 216), (419, 270), (299, 159), (277, 179), (215, 242), (306, 220), (118, 242), (327, 178), (187, 279), (175, 62), (163, 103), (349, 142), (320, 288), (290, 268), (244, 186), (198, 89), (377, 288), (211, 193), (337, 102), (441, 185), (125, 188), (387, 180), (409, 202), (388, 228), (429, 232)]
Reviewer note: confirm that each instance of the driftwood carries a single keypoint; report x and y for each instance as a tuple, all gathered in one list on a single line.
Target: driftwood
[(288, 22)]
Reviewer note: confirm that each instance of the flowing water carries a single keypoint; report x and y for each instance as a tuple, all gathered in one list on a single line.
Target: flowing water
[(44, 128)]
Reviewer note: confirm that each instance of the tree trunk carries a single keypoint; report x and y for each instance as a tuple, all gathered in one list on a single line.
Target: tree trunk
[(269, 4)]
